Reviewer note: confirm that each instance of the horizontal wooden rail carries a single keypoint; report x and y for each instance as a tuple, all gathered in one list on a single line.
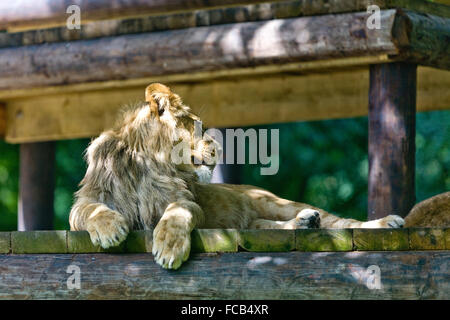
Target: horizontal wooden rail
[(81, 111), (183, 51), (246, 275), (278, 264), (413, 37), (21, 14), (231, 240)]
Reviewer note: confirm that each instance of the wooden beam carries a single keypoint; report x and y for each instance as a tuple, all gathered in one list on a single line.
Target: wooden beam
[(200, 18), (245, 275), (423, 39), (20, 15), (36, 186), (3, 116), (45, 13), (69, 113), (392, 128), (214, 48)]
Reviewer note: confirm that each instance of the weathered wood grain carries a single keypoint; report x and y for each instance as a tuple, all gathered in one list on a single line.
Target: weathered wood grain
[(266, 99), (214, 240), (211, 48), (228, 240), (447, 238), (5, 242), (270, 240), (245, 275), (423, 38), (180, 20), (2, 120), (39, 242), (392, 129), (324, 240), (427, 239), (21, 15), (380, 239), (80, 242)]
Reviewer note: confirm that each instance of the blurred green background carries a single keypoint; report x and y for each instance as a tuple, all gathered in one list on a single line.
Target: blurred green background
[(323, 163)]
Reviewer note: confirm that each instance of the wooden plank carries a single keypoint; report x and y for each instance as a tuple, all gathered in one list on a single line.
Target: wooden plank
[(267, 240), (80, 242), (180, 20), (427, 239), (214, 240), (380, 239), (244, 275), (214, 48), (2, 120), (447, 238), (22, 16), (36, 186), (423, 38), (39, 242), (45, 13), (266, 99), (392, 115), (5, 242), (324, 240)]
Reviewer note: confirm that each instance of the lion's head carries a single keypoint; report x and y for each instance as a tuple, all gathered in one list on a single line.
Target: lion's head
[(169, 132)]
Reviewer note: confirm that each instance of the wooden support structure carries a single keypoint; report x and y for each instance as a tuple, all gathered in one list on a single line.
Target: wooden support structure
[(291, 60), (392, 127), (70, 112), (232, 264), (47, 13), (36, 184), (220, 47), (250, 275), (51, 13)]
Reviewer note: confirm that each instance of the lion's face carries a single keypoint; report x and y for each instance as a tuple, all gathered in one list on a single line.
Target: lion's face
[(185, 130)]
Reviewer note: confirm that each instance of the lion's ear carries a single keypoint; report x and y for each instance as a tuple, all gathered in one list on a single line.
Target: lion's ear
[(158, 97)]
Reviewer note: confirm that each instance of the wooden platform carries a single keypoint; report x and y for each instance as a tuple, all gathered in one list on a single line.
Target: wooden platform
[(232, 264), (237, 63)]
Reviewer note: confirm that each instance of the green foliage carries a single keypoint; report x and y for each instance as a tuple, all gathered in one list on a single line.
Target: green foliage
[(323, 163), (9, 185), (70, 169)]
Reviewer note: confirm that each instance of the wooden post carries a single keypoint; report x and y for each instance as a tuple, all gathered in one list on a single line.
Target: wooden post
[(36, 186), (392, 108)]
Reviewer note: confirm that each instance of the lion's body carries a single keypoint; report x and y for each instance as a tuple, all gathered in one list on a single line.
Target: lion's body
[(432, 212), (132, 183)]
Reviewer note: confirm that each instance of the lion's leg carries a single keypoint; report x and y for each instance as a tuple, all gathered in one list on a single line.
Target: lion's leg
[(106, 227), (271, 207), (332, 221), (307, 218), (327, 220), (172, 235)]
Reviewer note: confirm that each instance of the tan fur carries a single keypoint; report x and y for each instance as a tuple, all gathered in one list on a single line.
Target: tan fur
[(131, 183), (432, 212)]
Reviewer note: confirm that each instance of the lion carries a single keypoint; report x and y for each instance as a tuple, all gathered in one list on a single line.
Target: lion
[(431, 212), (133, 183)]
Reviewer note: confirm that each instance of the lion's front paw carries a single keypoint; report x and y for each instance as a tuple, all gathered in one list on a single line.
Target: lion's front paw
[(107, 228), (392, 221), (308, 218), (171, 244)]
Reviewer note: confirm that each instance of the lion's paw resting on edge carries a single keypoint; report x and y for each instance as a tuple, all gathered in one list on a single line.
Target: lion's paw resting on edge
[(133, 182)]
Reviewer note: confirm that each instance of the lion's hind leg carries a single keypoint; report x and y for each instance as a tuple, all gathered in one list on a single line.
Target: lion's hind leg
[(106, 227), (307, 218)]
